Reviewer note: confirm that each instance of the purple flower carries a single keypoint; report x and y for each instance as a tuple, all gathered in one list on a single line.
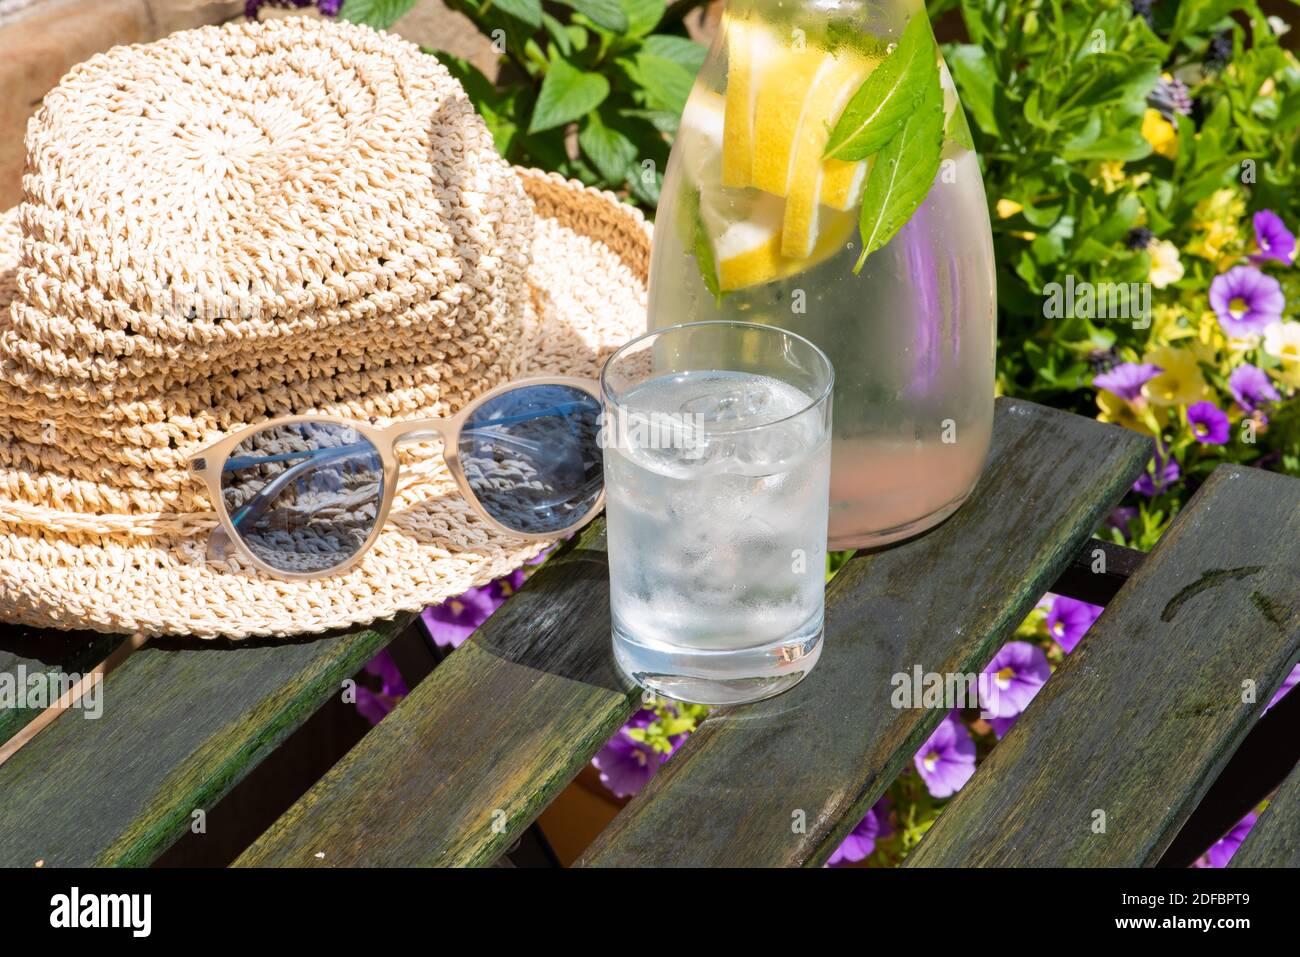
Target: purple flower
[(1154, 481), (1291, 681), (1221, 851), (1171, 97), (1250, 387), (862, 839), (1274, 240), (1209, 423), (1127, 379), (373, 705), (1245, 300), (1015, 675), (625, 764), (453, 621), (1121, 517), (329, 8), (947, 760), (1001, 726), (1069, 620)]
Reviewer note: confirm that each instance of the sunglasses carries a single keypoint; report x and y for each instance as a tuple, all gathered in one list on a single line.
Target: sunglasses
[(306, 496)]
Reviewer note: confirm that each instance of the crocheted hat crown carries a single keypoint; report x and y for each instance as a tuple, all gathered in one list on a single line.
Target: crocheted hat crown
[(247, 221), (258, 220)]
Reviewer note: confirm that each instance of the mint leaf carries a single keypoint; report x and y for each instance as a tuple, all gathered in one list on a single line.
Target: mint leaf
[(886, 98), (643, 15), (696, 239), (662, 84), (610, 150), (380, 14), (529, 11), (976, 77), (567, 93), (902, 173), (687, 54), (604, 13)]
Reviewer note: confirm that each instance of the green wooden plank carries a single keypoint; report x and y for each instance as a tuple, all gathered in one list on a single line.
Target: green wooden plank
[(1274, 841), (466, 762), (63, 655), (183, 722), (781, 782), (1119, 747)]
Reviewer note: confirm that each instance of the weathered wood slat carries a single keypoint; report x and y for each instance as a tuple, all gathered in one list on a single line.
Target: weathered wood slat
[(1142, 715), (781, 782), (182, 723), (1274, 841), (465, 763), (1256, 769), (27, 651)]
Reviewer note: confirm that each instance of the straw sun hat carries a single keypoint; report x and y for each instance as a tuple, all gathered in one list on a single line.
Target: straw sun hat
[(259, 220)]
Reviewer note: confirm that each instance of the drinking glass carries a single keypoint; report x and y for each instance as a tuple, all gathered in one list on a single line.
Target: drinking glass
[(716, 439)]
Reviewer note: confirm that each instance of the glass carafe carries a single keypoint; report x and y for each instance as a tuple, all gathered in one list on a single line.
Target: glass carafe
[(756, 223)]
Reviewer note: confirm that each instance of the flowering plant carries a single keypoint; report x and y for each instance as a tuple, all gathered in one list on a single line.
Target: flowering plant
[(1151, 146)]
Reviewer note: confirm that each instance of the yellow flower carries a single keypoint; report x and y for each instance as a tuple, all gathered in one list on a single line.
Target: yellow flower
[(1217, 219), (1167, 324), (1111, 175), (1166, 267), (1181, 382), (1282, 339), (1160, 133), (1008, 208), (1115, 409), (1210, 339)]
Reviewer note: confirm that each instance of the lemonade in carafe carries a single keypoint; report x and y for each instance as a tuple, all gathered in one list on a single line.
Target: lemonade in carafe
[(823, 181)]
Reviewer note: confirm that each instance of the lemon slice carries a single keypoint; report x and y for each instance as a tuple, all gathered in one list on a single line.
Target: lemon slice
[(752, 50), (811, 178), (780, 101), (743, 227)]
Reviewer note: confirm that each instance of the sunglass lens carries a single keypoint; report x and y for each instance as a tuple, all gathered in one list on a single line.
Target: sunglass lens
[(532, 457), (304, 497)]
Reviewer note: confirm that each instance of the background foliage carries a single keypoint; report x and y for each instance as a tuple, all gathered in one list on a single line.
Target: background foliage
[(589, 88)]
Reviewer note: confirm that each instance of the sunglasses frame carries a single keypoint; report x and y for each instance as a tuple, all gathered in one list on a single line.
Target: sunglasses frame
[(209, 463)]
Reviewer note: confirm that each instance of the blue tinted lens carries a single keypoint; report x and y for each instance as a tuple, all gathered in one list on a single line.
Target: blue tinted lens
[(304, 497), (532, 457)]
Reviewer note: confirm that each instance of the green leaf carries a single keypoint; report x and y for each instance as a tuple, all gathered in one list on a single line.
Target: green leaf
[(887, 97), (662, 120), (642, 15), (663, 84), (1196, 17), (700, 244), (604, 13), (687, 54), (958, 130), (977, 83), (567, 93), (559, 33), (902, 173), (529, 11), (380, 14), (610, 150)]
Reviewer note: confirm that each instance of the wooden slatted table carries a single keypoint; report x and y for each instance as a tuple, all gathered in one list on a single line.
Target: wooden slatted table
[(1137, 723)]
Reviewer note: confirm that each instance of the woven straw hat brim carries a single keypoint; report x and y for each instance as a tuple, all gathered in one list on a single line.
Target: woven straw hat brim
[(147, 573)]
